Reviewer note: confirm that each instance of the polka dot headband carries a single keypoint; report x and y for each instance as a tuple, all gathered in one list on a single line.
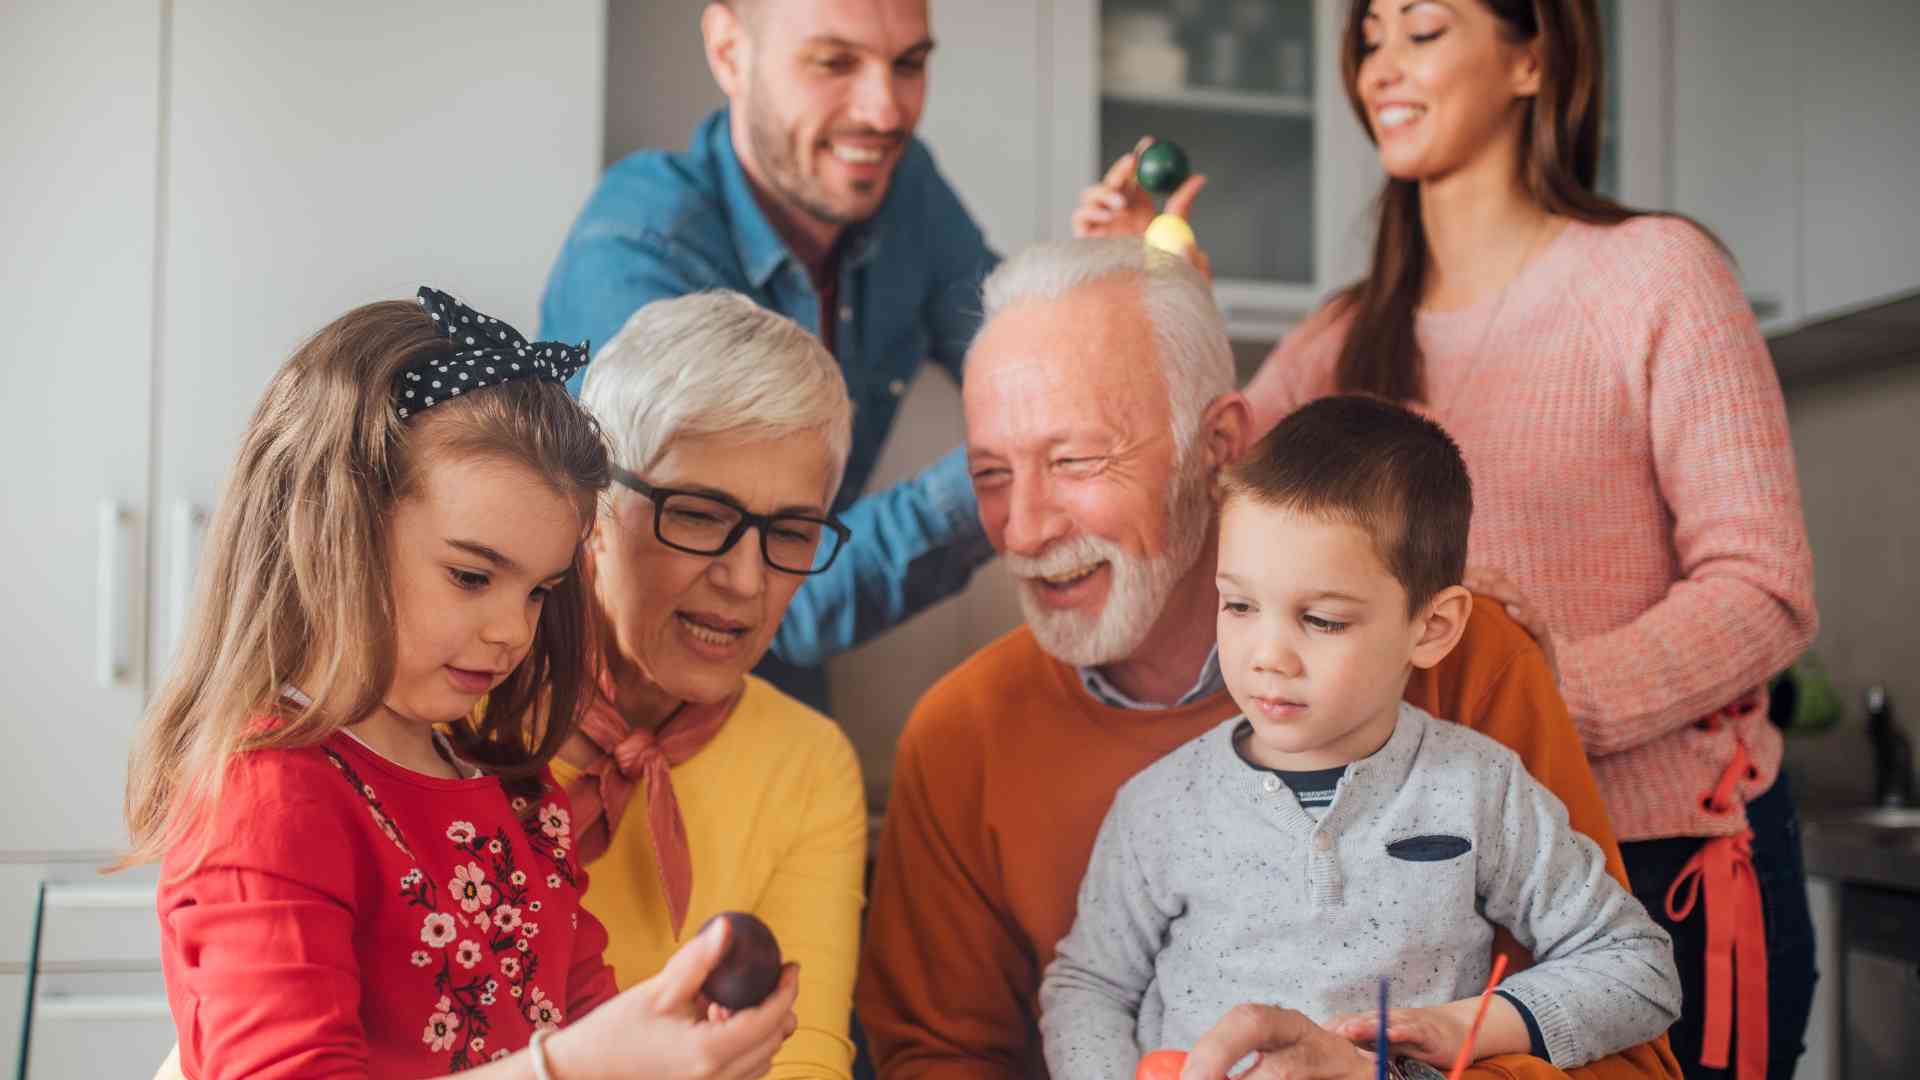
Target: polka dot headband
[(486, 352)]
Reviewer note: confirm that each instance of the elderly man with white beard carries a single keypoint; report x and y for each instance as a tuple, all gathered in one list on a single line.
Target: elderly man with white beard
[(1100, 405)]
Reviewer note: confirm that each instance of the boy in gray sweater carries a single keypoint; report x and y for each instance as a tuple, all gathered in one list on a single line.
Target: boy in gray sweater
[(1332, 833)]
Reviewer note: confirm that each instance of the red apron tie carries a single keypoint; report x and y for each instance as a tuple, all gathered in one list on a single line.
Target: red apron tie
[(1736, 934)]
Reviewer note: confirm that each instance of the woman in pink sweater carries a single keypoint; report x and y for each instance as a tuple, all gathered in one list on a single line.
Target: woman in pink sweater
[(1635, 499)]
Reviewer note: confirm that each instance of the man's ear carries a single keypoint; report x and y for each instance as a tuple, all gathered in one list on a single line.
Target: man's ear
[(1441, 625), (728, 50), (1227, 427)]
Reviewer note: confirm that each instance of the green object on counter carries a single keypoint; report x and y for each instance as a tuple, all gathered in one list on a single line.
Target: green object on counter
[(1162, 168), (1816, 704)]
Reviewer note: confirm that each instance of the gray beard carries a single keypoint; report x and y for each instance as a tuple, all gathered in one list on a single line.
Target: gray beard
[(1140, 586)]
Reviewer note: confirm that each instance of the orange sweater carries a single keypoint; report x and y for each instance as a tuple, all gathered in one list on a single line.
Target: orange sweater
[(1004, 773)]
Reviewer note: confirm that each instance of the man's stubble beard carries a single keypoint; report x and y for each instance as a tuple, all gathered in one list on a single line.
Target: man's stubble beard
[(775, 155)]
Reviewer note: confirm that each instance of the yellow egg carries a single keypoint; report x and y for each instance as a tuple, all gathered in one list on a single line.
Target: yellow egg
[(1170, 233)]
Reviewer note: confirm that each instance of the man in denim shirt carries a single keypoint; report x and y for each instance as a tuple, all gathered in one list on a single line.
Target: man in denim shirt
[(810, 195)]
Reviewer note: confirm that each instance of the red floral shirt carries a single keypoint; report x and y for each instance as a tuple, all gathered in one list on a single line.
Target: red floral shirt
[(353, 917)]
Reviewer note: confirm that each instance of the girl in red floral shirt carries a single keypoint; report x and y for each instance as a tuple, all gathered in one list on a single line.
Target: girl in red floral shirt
[(364, 872)]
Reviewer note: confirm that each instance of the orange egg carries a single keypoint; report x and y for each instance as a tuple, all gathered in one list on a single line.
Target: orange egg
[(1161, 1065)]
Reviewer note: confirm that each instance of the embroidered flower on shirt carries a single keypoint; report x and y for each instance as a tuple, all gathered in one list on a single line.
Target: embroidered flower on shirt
[(542, 1011), (509, 966), (440, 1029), (469, 886), (468, 954), (518, 877), (461, 832), (506, 918), (530, 929), (420, 958), (438, 930), (553, 881), (555, 822), (534, 906)]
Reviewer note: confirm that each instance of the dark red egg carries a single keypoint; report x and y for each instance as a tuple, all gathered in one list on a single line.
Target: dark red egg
[(749, 969)]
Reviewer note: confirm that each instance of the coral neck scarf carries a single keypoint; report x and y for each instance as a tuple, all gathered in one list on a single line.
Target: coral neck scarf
[(632, 756)]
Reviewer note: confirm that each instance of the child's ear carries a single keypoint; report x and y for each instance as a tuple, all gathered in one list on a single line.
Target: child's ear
[(1441, 625)]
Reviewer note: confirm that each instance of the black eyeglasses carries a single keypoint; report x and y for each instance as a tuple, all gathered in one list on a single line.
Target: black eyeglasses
[(705, 523)]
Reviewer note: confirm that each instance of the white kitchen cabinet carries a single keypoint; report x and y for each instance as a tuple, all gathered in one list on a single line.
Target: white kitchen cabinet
[(1736, 148), (1859, 153), (326, 155), (1794, 141), (194, 187), (79, 102), (1825, 1026)]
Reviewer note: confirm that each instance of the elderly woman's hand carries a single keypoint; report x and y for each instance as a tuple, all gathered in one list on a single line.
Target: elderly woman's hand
[(1289, 1046)]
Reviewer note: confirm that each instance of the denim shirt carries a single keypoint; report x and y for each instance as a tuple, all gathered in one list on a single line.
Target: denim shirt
[(665, 224)]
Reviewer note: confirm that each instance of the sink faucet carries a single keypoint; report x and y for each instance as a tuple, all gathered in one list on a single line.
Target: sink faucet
[(1892, 753)]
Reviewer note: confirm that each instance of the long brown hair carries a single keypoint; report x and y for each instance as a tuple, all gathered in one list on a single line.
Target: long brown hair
[(295, 581), (1559, 158)]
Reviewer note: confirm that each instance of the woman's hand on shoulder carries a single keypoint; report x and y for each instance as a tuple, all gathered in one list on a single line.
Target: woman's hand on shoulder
[(1494, 585), (666, 1029)]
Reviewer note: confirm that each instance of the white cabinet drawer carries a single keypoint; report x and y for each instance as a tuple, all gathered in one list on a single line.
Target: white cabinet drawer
[(98, 1025), (89, 922)]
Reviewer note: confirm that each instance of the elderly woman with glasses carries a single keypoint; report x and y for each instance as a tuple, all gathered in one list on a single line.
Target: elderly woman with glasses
[(698, 788)]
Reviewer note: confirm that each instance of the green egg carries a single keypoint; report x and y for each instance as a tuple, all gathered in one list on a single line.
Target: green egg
[(1163, 168)]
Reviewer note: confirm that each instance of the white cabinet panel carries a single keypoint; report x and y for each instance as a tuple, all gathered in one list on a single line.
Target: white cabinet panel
[(325, 155), (1860, 152), (107, 1024), (1825, 1027), (983, 118), (79, 103), (1736, 140)]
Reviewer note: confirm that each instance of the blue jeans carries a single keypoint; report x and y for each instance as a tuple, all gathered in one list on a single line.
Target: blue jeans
[(1651, 867)]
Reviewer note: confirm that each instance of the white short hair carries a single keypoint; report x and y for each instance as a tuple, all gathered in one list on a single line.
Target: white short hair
[(1189, 333), (715, 363)]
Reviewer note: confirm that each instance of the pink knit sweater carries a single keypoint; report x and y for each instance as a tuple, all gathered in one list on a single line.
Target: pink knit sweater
[(1632, 475)]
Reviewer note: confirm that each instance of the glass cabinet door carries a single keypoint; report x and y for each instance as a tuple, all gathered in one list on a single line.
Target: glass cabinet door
[(1233, 83)]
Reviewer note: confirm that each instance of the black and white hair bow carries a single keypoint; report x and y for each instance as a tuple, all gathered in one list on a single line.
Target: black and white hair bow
[(486, 352)]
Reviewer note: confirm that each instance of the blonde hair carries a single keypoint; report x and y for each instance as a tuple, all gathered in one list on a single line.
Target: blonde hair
[(715, 363), (295, 579)]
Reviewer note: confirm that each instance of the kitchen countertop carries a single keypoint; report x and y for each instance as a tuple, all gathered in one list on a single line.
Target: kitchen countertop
[(1838, 844)]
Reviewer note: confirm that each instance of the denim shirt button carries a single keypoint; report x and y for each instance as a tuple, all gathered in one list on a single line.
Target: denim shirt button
[(897, 387), (846, 312), (1271, 784)]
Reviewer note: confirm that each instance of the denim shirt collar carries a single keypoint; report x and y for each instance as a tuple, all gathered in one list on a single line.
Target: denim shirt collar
[(762, 251)]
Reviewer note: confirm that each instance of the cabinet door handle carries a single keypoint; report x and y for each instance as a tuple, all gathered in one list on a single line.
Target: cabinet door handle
[(188, 524), (113, 622)]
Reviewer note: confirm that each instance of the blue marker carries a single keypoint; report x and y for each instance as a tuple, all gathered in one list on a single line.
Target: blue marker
[(1380, 1037)]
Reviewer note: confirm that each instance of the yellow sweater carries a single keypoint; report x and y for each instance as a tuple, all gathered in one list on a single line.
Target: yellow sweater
[(776, 819)]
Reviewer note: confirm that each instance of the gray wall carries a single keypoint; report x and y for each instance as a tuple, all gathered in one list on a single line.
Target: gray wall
[(1859, 458)]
